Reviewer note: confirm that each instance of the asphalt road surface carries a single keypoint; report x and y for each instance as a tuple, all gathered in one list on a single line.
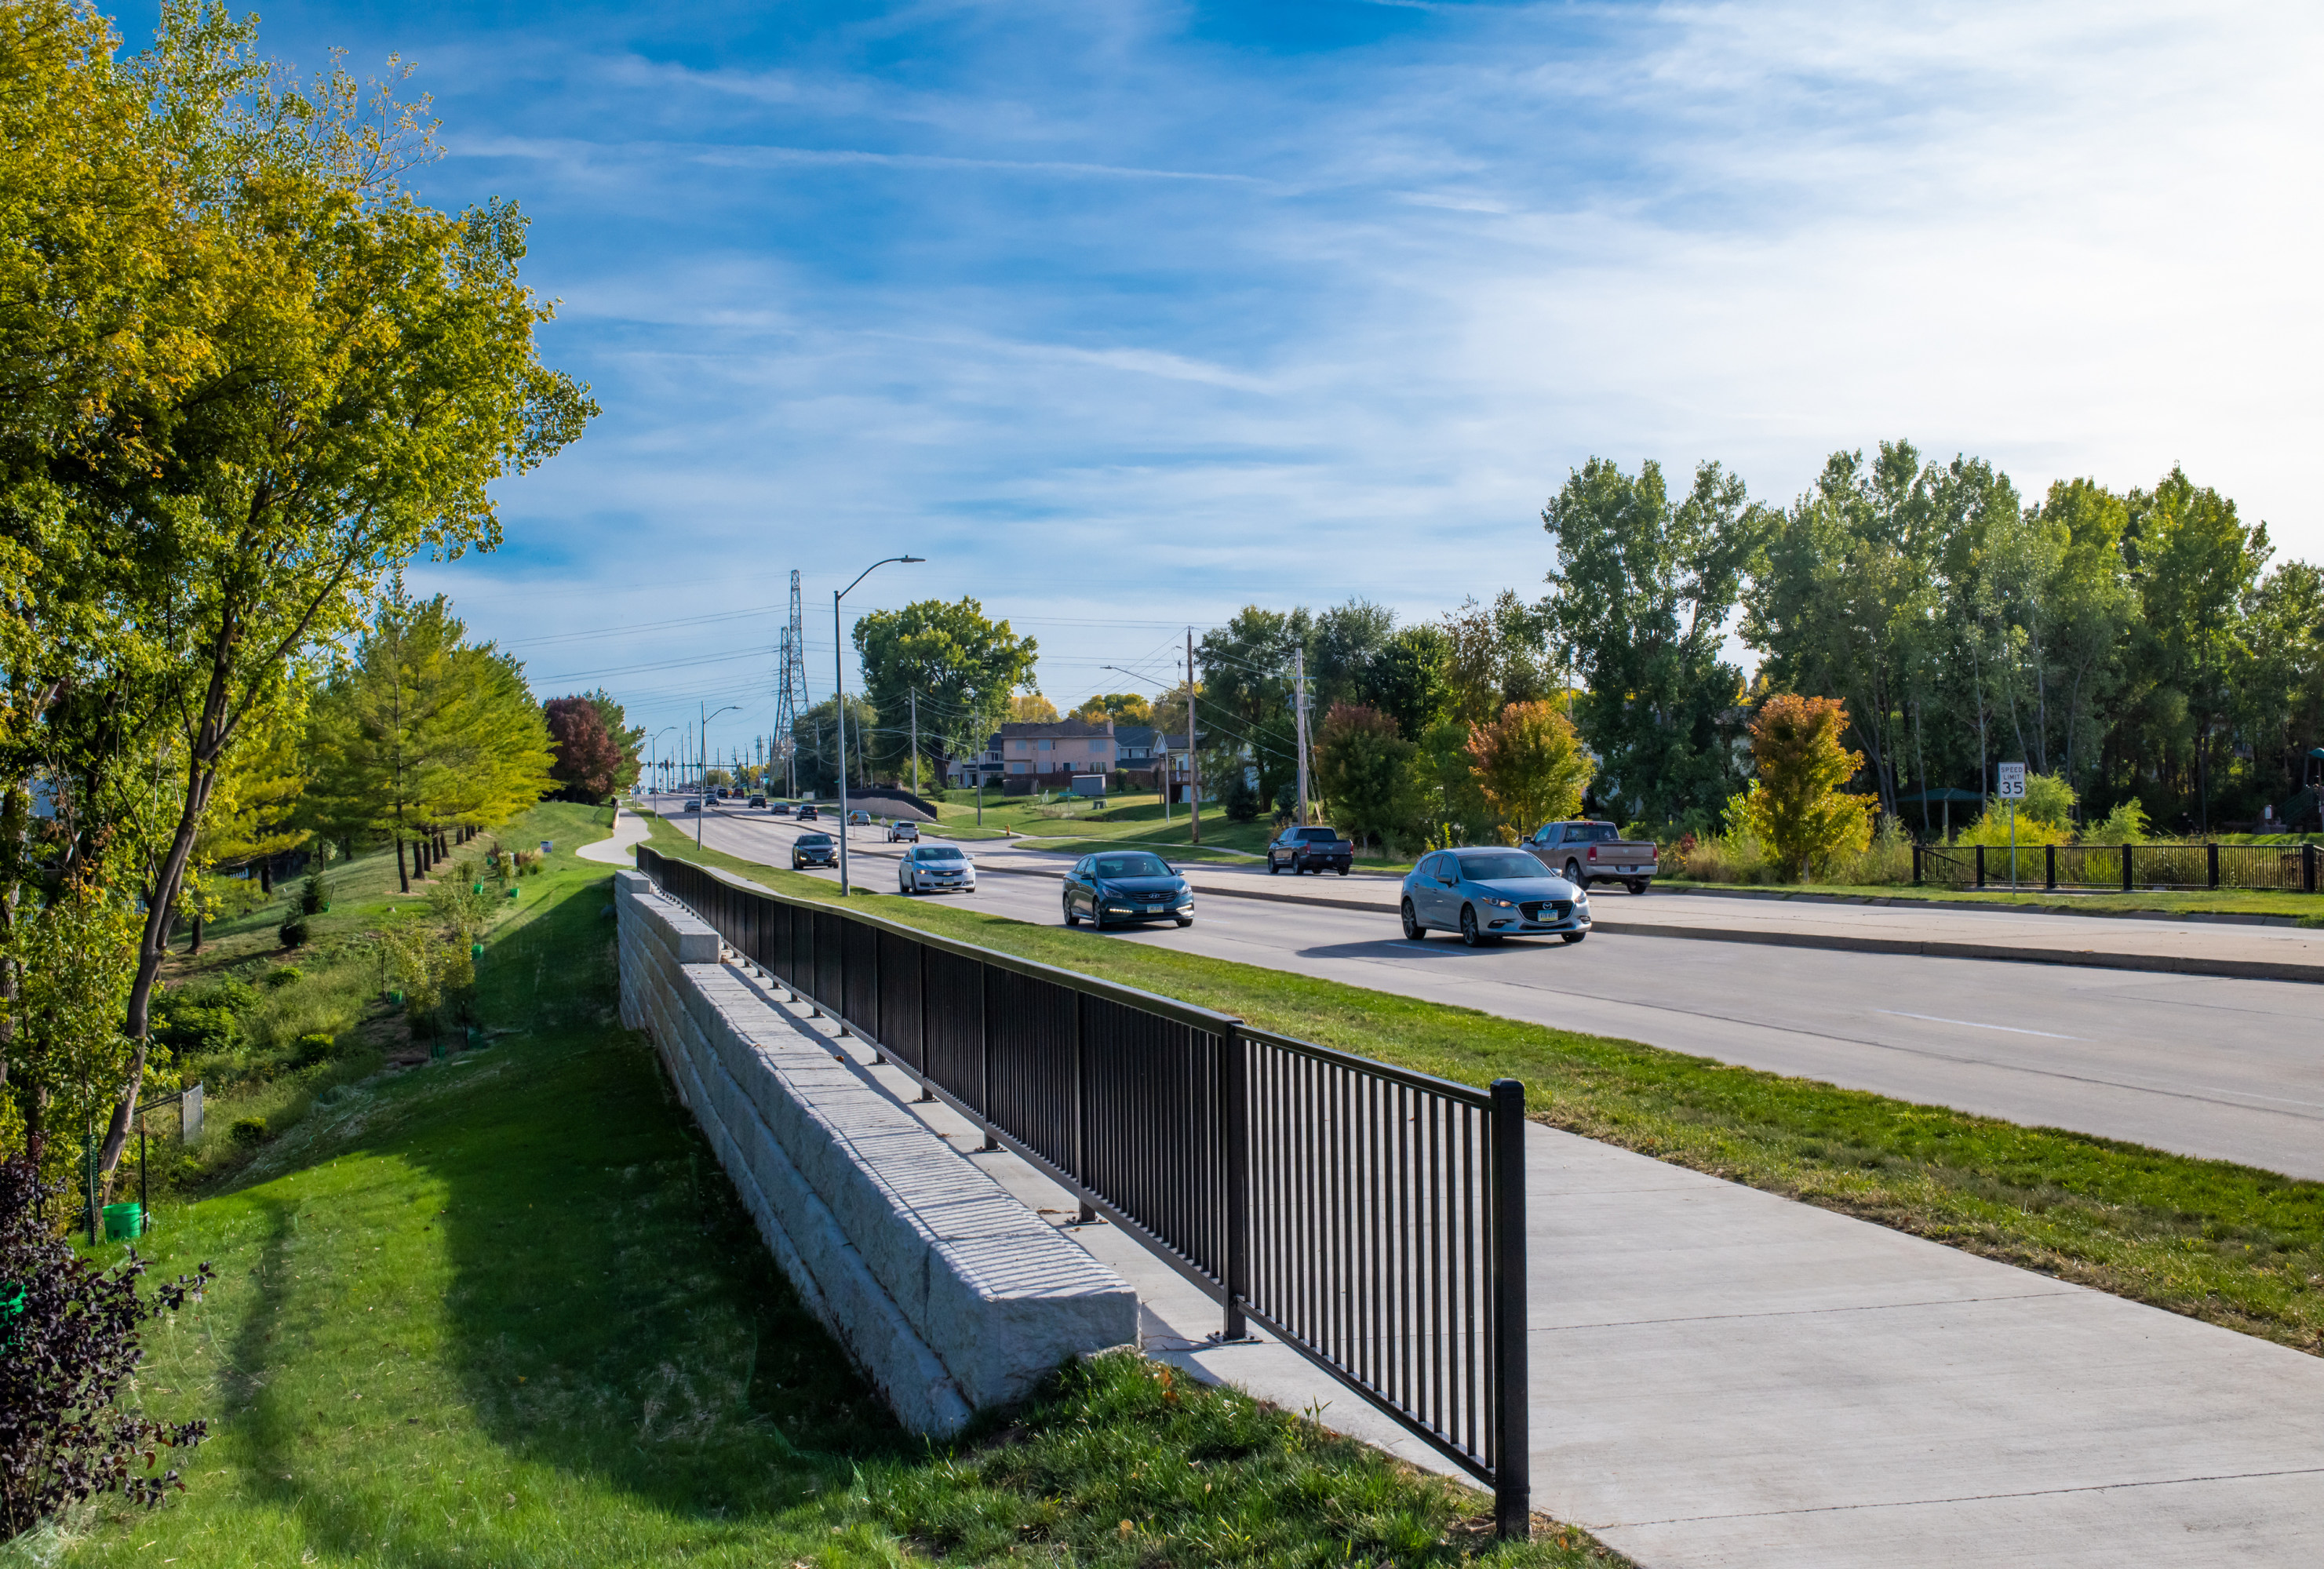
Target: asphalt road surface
[(2230, 1069)]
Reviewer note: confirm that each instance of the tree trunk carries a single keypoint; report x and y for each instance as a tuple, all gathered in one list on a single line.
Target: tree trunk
[(195, 945), (402, 877), (266, 875)]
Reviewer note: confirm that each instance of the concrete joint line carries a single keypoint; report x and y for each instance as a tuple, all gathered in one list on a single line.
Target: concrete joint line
[(1971, 1497), (1804, 1311)]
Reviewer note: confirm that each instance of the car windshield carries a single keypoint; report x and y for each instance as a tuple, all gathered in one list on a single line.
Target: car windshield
[(938, 853), (1319, 836), (1498, 865), (815, 838), (1131, 866)]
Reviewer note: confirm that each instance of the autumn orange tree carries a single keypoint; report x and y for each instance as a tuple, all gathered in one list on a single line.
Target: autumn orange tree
[(1530, 766), (1796, 807)]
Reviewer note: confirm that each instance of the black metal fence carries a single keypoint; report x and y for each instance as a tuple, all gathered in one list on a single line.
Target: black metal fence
[(2279, 868), (1370, 1218)]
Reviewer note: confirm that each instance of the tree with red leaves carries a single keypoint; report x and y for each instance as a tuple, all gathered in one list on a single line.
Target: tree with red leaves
[(588, 759)]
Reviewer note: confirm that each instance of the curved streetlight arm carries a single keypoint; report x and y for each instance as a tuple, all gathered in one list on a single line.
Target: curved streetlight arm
[(702, 740)]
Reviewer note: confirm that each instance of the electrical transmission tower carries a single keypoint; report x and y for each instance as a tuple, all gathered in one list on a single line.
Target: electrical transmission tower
[(790, 692)]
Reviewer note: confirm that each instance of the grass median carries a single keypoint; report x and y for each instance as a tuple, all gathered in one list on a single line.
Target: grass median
[(504, 1308), (2307, 908), (2228, 1243)]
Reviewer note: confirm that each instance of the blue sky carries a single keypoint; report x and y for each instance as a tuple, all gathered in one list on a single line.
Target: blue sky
[(1126, 314)]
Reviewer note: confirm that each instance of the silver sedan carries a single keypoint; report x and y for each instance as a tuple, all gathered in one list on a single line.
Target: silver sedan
[(1489, 892)]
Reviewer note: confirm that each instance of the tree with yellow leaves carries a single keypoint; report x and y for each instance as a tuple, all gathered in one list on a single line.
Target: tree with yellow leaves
[(1796, 807)]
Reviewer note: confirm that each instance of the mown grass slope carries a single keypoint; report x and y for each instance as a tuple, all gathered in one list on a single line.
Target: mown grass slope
[(504, 1310)]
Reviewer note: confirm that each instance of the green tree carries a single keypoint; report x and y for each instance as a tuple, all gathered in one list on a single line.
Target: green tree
[(367, 368), (1407, 679), (814, 739), (963, 667), (422, 730), (1370, 775), (1641, 596), (1530, 766), (1796, 807), (1347, 641)]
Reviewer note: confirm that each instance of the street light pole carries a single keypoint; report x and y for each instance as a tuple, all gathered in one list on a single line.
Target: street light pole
[(658, 763), (839, 700), (704, 736)]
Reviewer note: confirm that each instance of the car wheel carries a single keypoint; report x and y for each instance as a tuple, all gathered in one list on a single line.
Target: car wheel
[(1471, 937), (1638, 885), (1183, 922), (1097, 917), (1413, 930), (1573, 874), (1343, 872), (1271, 867), (1573, 937), (1071, 918)]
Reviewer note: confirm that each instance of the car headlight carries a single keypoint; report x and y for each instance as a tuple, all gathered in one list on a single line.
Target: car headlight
[(1499, 903)]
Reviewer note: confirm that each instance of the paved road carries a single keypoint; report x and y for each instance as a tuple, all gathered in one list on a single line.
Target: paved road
[(2231, 1069)]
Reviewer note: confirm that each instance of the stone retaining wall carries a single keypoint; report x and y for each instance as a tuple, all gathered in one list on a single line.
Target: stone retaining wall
[(950, 1294)]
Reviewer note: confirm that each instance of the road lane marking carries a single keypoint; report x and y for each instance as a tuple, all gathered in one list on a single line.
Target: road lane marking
[(1973, 1024)]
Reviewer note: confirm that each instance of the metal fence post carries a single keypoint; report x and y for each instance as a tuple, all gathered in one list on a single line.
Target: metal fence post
[(2126, 869), (1234, 1117), (926, 1093), (1916, 865), (1081, 1110), (1980, 866), (2211, 854), (2308, 868), (2050, 866), (984, 1052), (1512, 1439)]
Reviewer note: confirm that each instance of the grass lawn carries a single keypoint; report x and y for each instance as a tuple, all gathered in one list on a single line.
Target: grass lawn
[(506, 1310), (1078, 828), (2308, 907), (2237, 1246)]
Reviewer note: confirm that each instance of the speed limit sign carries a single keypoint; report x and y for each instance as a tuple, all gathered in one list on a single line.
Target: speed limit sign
[(2013, 781)]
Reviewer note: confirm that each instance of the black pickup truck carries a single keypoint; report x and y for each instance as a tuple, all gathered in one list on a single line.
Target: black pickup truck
[(1311, 850)]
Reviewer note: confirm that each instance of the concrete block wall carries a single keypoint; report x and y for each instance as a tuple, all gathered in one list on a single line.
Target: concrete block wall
[(950, 1294)]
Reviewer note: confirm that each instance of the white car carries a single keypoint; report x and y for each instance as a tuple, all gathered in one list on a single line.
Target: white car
[(900, 831), (935, 869)]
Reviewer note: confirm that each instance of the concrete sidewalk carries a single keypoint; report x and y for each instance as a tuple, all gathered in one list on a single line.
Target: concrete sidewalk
[(1725, 1378), (629, 829)]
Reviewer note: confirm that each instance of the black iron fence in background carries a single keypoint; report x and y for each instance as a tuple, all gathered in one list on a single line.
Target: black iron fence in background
[(2279, 868), (1370, 1218)]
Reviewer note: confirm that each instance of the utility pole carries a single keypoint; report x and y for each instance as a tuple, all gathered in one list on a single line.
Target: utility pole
[(1299, 714), (1193, 757), (916, 743)]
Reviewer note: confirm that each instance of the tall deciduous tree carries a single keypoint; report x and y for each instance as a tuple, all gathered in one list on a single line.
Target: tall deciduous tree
[(368, 369), (962, 667), (1641, 596)]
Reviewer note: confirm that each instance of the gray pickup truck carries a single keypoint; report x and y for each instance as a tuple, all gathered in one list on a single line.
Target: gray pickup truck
[(1584, 853)]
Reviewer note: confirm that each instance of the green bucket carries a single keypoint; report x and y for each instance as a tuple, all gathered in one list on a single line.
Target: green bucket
[(12, 1308), (512, 892), (123, 1221)]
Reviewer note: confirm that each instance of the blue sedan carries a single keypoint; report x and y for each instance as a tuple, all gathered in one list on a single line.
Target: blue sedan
[(1125, 885), (1489, 893)]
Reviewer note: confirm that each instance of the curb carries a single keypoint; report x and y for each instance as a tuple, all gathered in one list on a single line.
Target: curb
[(2212, 918), (2086, 958)]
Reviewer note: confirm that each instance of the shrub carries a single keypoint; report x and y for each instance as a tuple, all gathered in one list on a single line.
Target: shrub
[(2125, 825), (315, 897), (311, 1049), (248, 1132), (1240, 801), (282, 975), (294, 932), (71, 1349)]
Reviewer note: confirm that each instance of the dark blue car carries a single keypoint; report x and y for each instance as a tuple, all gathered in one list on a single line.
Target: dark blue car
[(1116, 887)]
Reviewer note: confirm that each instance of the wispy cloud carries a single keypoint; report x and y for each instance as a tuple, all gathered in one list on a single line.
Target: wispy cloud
[(1144, 307)]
